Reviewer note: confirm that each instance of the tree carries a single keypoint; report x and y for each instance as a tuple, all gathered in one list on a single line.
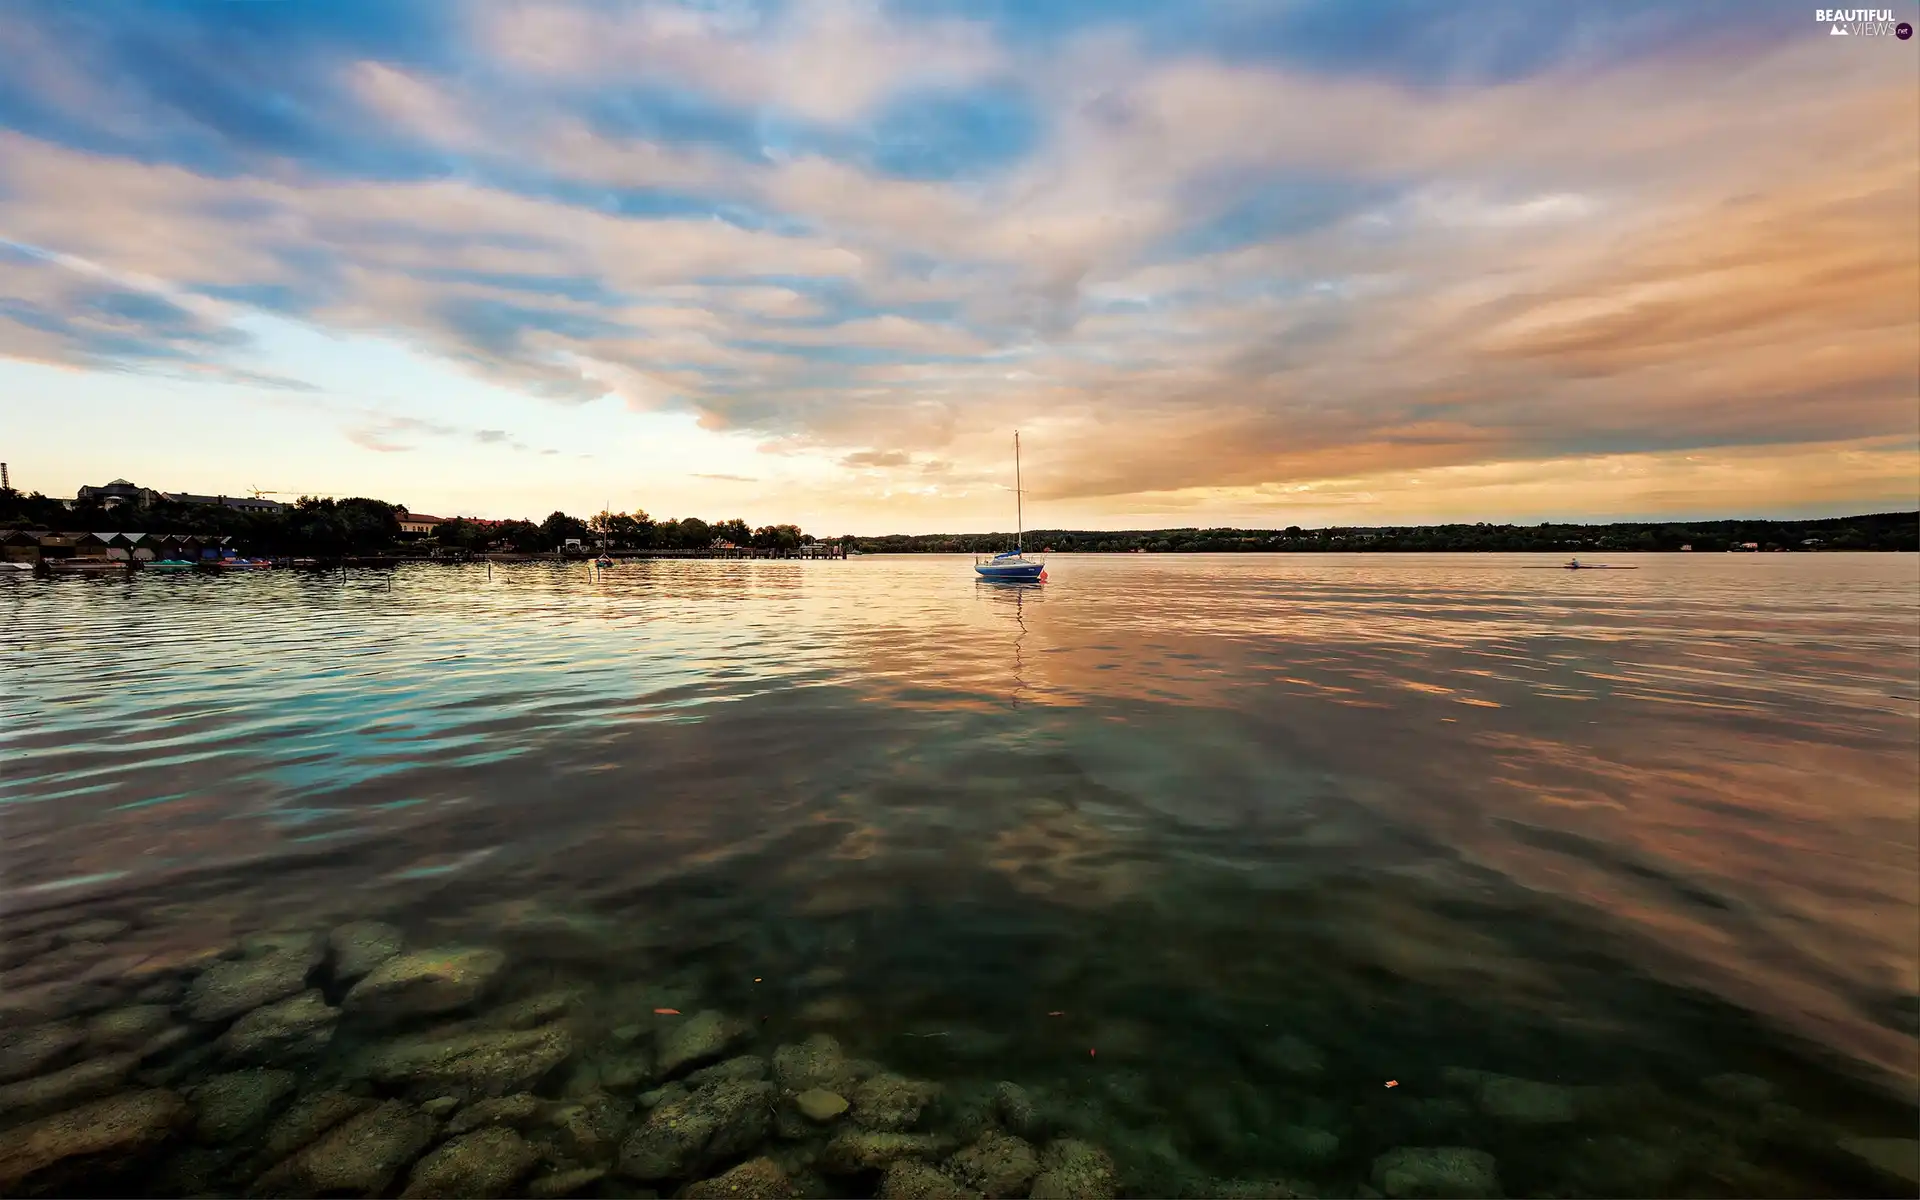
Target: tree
[(367, 525), (462, 534), (558, 527), (695, 534), (776, 537)]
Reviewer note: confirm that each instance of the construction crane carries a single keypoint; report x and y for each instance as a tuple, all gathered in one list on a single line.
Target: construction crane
[(263, 493)]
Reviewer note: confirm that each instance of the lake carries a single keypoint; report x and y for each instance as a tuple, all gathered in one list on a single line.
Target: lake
[(1199, 875)]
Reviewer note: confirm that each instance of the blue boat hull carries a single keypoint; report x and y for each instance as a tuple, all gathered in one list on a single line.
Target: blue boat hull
[(1011, 570)]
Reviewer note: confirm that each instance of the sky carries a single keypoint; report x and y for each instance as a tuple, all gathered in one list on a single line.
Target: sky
[(1220, 262)]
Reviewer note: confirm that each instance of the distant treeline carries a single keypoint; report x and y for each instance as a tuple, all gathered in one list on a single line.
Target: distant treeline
[(365, 526), (1876, 531), (358, 525)]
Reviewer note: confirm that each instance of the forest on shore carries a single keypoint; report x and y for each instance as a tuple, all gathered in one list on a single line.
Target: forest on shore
[(326, 526), (1876, 531)]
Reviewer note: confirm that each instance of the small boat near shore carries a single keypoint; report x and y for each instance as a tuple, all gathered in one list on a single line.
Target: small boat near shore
[(1576, 565), (83, 566)]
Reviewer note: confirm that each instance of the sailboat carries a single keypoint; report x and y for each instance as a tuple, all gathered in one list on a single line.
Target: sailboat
[(605, 560), (1013, 565)]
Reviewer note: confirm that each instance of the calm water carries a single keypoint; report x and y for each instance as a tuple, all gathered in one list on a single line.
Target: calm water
[(1627, 830)]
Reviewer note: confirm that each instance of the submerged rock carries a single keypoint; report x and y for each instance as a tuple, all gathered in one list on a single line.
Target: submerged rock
[(1527, 1102), (520, 1109), (227, 989), (295, 1028), (683, 1136), (82, 1081), (818, 1062), (126, 1028), (99, 1138), (756, 1179), (302, 943), (619, 1069), (541, 1009), (361, 1156), (491, 1063), (359, 946), (1071, 1169), (666, 1093), (854, 1150), (1442, 1172), (309, 1117), (698, 1039), (237, 1103), (30, 1049), (820, 1105), (426, 981), (1306, 1146), (891, 1101), (485, 1163), (565, 1183), (747, 1066), (911, 1179), (965, 1111), (1016, 1110), (590, 1130), (998, 1165)]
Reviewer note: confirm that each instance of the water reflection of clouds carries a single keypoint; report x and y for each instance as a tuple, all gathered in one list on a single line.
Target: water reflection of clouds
[(1275, 718)]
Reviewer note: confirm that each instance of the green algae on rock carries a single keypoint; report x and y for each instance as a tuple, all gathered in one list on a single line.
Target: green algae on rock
[(701, 1038), (357, 947), (298, 1027), (227, 989), (484, 1163), (96, 1140), (683, 1136), (360, 1156), (425, 981), (998, 1165), (1071, 1169), (755, 1179), (228, 1106), (486, 1063), (1436, 1173)]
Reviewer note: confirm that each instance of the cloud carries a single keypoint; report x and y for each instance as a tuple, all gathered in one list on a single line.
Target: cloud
[(828, 61), (1195, 251), (726, 478), (877, 458), (388, 433)]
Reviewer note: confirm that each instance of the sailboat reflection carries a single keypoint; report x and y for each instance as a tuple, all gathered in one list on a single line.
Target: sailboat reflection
[(1012, 596)]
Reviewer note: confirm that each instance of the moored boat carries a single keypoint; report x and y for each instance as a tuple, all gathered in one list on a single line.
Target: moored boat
[(1013, 566)]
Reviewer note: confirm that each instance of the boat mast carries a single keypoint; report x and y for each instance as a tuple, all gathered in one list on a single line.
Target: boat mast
[(1019, 518)]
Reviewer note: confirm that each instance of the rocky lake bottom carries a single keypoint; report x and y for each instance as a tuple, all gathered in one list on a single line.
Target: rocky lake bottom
[(463, 1045)]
